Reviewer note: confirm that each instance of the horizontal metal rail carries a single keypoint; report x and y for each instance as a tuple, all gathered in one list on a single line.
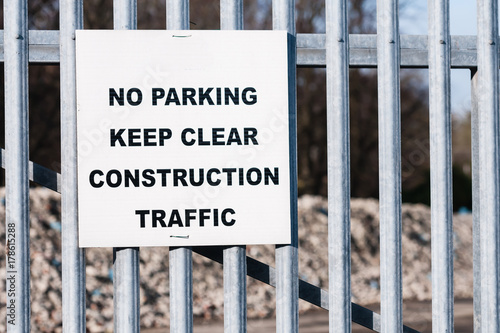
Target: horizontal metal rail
[(256, 269), (43, 46), (311, 50)]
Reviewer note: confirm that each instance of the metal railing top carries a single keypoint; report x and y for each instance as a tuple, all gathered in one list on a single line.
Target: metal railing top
[(311, 50)]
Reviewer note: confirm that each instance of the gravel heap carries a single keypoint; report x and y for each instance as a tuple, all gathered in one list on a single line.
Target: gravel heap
[(207, 275)]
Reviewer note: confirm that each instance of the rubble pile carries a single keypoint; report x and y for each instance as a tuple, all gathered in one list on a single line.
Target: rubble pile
[(208, 297)]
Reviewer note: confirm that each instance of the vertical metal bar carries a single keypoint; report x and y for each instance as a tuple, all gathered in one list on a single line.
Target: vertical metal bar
[(487, 48), (177, 14), (235, 295), (231, 14), (126, 260), (126, 289), (287, 287), (476, 240), (235, 268), (339, 217), (181, 290), (180, 263), (73, 258), (16, 162), (389, 119), (125, 14), (440, 159)]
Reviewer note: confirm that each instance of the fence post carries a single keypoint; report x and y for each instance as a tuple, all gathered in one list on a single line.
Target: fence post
[(339, 194), (235, 267), (489, 178), (73, 258), (16, 170), (180, 263), (389, 120), (441, 167), (126, 260), (287, 287)]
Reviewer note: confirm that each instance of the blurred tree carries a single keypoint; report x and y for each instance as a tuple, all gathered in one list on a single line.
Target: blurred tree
[(462, 142), (44, 96), (462, 161)]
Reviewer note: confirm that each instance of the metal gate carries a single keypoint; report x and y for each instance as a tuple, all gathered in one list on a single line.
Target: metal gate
[(388, 51)]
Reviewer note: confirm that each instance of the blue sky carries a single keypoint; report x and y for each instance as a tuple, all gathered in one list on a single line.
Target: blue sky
[(413, 16)]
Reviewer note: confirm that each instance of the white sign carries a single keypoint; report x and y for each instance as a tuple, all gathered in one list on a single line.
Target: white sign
[(183, 138)]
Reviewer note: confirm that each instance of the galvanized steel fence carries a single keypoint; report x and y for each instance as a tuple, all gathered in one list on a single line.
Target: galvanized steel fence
[(388, 51)]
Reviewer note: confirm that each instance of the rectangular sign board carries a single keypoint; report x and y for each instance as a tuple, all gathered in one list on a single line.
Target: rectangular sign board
[(183, 138)]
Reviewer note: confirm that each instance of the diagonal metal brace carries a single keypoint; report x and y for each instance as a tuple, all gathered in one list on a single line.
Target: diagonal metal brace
[(307, 292)]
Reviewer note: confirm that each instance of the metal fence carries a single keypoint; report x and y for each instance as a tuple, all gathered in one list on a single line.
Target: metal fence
[(337, 50)]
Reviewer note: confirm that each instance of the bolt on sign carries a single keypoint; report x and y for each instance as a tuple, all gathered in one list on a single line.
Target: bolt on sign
[(183, 138)]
